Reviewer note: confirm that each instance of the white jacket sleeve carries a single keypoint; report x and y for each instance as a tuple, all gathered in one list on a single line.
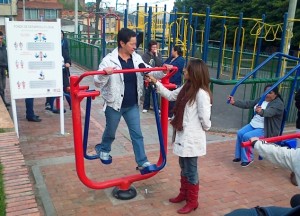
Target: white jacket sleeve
[(282, 156), (166, 93), (101, 80), (204, 109)]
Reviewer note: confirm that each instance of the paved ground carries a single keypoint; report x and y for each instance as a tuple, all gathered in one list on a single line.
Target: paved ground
[(224, 185)]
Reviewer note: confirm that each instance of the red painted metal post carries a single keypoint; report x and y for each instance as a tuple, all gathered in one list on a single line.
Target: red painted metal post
[(57, 103)]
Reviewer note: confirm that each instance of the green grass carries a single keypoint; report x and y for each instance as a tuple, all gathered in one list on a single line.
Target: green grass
[(2, 194)]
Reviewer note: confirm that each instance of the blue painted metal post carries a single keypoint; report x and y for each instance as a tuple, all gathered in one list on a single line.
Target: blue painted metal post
[(195, 26), (282, 44), (206, 35), (182, 24), (145, 21), (221, 46), (103, 37), (137, 17), (237, 48), (149, 26), (125, 18), (190, 22), (164, 30)]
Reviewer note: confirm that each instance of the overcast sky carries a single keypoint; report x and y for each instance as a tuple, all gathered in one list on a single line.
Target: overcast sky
[(133, 3)]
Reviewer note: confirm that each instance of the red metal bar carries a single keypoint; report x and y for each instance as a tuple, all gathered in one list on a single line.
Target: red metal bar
[(77, 95), (274, 139), (57, 103)]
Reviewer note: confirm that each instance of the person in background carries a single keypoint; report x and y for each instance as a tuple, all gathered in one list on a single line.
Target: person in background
[(191, 120), (30, 116), (297, 104), (177, 60), (266, 122), (121, 93), (154, 59), (66, 64), (3, 69)]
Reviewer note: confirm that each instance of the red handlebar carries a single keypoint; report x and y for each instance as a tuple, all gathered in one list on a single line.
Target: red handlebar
[(274, 139)]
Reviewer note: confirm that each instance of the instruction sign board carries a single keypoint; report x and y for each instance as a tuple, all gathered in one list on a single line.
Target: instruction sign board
[(34, 59)]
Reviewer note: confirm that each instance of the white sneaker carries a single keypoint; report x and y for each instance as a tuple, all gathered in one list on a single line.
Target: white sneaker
[(104, 156), (144, 111), (146, 164)]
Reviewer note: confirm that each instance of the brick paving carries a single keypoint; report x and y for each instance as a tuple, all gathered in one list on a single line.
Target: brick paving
[(224, 185)]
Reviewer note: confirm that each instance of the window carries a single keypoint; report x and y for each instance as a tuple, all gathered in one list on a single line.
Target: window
[(31, 14), (5, 1), (50, 14)]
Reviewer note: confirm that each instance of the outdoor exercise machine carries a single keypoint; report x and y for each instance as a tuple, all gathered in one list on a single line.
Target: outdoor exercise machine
[(123, 189), (295, 70)]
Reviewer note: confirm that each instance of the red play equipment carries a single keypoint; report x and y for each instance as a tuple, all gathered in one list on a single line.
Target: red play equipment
[(275, 139), (77, 94)]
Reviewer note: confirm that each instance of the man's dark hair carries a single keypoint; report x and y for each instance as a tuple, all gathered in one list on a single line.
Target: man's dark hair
[(151, 43), (125, 35), (178, 49), (1, 33)]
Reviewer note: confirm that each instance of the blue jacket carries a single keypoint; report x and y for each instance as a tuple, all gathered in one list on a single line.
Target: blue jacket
[(179, 63)]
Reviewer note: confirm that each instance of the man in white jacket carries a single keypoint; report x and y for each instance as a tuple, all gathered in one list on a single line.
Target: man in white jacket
[(283, 156), (121, 93)]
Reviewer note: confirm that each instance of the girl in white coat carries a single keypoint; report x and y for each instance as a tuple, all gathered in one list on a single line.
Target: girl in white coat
[(191, 119)]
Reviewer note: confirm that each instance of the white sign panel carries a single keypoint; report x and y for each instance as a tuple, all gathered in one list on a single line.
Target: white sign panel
[(34, 59)]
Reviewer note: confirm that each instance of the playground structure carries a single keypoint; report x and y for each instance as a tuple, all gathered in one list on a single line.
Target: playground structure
[(228, 55), (229, 66)]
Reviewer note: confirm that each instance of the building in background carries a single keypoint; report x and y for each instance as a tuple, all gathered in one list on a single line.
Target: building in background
[(8, 9)]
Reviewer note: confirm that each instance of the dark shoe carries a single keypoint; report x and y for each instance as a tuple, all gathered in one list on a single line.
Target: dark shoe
[(48, 106), (236, 160), (245, 164), (7, 104), (293, 179), (34, 119), (57, 111)]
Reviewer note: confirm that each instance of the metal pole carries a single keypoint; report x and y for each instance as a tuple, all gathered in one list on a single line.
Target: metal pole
[(23, 10), (76, 18), (11, 10), (291, 16), (127, 8)]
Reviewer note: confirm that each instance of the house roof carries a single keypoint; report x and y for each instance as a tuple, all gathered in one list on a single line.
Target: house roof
[(40, 5)]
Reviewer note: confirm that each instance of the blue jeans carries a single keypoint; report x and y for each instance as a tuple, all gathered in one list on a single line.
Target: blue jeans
[(131, 116), (244, 134), (29, 108), (189, 169)]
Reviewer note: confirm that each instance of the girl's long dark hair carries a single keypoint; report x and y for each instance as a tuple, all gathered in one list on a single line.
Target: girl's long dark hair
[(198, 79)]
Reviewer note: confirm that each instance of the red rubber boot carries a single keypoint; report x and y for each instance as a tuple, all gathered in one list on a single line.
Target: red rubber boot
[(182, 194), (192, 199)]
